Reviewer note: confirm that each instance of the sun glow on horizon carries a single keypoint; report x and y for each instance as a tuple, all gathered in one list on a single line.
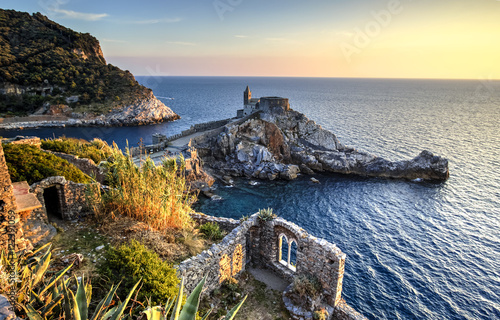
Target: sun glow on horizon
[(374, 39)]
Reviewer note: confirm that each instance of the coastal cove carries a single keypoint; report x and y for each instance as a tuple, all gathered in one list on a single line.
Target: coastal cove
[(414, 250)]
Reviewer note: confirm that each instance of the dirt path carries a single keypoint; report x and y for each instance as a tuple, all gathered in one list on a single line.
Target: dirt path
[(269, 278)]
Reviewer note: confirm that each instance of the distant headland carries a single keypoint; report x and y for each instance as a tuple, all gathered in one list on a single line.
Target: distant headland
[(53, 76)]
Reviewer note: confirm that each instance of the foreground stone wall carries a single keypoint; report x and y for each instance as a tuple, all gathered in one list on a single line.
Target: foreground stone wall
[(222, 261), (8, 230), (225, 224)]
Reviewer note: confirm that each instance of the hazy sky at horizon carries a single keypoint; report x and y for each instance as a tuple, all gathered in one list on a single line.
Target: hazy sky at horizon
[(318, 38)]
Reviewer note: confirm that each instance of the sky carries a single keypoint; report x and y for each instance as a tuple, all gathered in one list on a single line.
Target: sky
[(444, 39)]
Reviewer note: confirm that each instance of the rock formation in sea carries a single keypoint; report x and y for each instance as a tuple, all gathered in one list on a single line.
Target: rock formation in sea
[(280, 144)]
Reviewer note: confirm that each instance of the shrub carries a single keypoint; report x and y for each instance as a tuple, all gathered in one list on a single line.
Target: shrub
[(97, 150), (266, 214), (156, 195), (306, 286), (320, 314), (212, 231), (131, 262), (26, 162)]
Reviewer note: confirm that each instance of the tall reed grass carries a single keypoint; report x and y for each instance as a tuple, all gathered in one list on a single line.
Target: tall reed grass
[(155, 194)]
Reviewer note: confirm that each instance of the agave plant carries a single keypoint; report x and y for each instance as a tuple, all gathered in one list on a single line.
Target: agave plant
[(189, 310), (266, 214), (76, 306), (32, 289)]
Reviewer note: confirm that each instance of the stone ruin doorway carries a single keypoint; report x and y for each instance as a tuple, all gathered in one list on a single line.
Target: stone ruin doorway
[(52, 200)]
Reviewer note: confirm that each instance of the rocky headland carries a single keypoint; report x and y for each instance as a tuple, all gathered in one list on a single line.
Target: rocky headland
[(52, 76), (279, 144), (143, 111)]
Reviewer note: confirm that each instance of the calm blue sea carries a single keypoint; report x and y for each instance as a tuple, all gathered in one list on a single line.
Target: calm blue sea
[(414, 250)]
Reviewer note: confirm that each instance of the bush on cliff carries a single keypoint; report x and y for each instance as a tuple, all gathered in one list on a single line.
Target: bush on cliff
[(131, 262), (154, 194), (29, 163), (212, 231), (97, 150)]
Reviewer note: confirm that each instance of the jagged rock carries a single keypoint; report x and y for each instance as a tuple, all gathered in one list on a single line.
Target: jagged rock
[(290, 172), (266, 148), (305, 169)]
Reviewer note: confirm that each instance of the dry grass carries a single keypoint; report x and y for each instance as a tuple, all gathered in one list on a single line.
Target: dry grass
[(155, 195), (169, 244), (191, 240)]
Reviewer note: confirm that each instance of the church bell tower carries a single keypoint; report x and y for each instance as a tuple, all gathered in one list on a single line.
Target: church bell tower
[(247, 95)]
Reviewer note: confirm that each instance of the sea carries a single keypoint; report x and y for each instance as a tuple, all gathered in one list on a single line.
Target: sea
[(415, 250)]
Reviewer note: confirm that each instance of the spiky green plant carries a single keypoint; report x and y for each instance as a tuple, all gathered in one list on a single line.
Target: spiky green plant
[(190, 308), (266, 214), (33, 290)]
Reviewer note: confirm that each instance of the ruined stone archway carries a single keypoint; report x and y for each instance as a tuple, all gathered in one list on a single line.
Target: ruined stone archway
[(53, 202), (69, 203), (50, 193)]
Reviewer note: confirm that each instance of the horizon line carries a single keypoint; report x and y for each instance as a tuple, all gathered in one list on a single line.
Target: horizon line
[(312, 77)]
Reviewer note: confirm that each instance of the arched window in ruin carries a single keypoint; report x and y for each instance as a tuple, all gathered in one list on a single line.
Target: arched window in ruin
[(283, 250), (292, 260), (287, 254)]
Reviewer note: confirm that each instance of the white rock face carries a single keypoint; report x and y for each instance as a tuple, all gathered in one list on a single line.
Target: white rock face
[(143, 111)]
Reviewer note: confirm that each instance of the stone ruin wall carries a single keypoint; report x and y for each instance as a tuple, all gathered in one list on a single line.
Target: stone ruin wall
[(220, 262), (257, 242), (315, 256), (87, 166), (7, 203), (72, 197)]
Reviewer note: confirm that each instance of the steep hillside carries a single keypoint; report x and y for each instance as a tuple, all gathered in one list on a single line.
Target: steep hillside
[(43, 63)]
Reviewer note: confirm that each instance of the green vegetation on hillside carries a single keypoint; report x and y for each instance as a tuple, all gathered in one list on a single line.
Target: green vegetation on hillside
[(97, 150), (37, 52), (28, 163)]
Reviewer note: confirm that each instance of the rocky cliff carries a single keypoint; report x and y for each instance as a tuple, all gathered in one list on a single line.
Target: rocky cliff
[(44, 64), (280, 144)]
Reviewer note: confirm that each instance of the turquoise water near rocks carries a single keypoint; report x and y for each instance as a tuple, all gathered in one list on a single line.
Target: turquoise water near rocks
[(414, 250)]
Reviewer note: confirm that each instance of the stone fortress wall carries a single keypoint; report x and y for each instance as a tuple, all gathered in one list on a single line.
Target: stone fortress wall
[(160, 141), (267, 103), (260, 243)]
